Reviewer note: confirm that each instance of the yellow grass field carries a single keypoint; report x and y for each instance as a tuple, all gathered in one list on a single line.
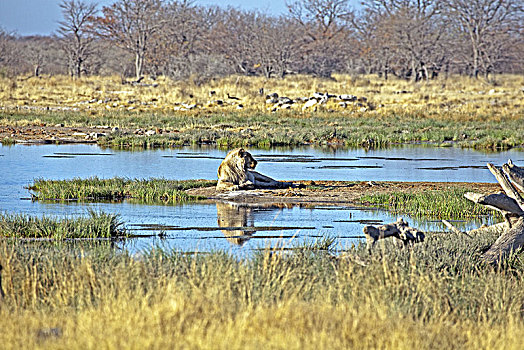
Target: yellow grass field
[(456, 97)]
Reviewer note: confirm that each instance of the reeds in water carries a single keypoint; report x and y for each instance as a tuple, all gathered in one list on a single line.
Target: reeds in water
[(441, 204), (94, 225), (117, 188)]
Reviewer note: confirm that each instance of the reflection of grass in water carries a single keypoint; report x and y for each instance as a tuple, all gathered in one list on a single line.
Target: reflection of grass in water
[(146, 190), (434, 295), (95, 225), (441, 204)]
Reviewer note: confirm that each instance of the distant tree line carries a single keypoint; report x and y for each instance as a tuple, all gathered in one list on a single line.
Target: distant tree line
[(411, 39)]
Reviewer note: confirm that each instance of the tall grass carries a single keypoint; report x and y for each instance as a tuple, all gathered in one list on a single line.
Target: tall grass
[(437, 294), (94, 225), (117, 188), (441, 204)]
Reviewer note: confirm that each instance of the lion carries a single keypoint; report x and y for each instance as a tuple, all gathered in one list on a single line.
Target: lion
[(236, 172), (235, 220)]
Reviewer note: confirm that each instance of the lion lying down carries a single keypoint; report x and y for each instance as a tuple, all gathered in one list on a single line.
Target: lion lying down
[(236, 172)]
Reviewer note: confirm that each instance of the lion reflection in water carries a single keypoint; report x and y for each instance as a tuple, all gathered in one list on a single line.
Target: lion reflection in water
[(237, 172), (235, 216)]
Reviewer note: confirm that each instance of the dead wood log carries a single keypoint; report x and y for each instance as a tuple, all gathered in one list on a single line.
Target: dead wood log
[(511, 205), (399, 229), (511, 240), (506, 185), (515, 174), (497, 201), (453, 228), (496, 229)]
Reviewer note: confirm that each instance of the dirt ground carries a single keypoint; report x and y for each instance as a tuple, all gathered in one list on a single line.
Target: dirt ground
[(336, 193), (52, 134)]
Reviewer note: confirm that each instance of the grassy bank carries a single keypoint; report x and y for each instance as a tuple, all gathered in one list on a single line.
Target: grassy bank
[(262, 129), (117, 188), (94, 225), (436, 295), (441, 204), (468, 112)]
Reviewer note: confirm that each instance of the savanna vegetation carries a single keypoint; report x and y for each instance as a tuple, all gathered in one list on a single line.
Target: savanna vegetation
[(440, 72), (459, 110), (409, 71), (435, 294)]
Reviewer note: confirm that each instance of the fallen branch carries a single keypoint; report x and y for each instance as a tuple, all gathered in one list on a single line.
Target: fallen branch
[(497, 201), (515, 174), (399, 229), (506, 185), (453, 228), (511, 205), (511, 240)]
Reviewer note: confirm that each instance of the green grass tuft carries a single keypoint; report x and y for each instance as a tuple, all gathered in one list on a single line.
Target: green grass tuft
[(442, 204), (95, 225), (117, 188)]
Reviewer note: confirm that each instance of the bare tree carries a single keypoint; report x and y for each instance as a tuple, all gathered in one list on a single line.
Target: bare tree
[(489, 26), (255, 43), (7, 58), (130, 24), (38, 52), (184, 27), (76, 32), (409, 35), (324, 23), (233, 37), (276, 44)]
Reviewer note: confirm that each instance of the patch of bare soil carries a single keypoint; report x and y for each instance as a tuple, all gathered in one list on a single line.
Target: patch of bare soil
[(52, 134), (334, 192)]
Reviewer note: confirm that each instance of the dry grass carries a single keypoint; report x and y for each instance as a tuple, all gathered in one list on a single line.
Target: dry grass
[(458, 97), (458, 110), (436, 295)]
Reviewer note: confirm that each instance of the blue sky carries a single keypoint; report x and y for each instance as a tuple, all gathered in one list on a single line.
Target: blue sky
[(28, 17)]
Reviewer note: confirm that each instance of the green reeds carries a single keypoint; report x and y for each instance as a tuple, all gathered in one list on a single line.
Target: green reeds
[(117, 188), (441, 204), (94, 225)]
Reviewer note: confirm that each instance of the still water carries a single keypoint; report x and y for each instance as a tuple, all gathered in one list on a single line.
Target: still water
[(227, 226)]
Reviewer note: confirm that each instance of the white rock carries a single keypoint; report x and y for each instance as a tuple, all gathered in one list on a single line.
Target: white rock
[(309, 104)]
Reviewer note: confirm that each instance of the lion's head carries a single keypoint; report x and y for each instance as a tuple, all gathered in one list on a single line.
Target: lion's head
[(245, 157)]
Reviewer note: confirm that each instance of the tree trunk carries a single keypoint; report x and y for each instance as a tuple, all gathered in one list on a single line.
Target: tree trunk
[(508, 242), (511, 205), (139, 61), (515, 174)]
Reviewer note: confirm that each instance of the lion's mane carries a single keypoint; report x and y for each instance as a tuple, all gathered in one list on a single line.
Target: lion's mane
[(233, 172)]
